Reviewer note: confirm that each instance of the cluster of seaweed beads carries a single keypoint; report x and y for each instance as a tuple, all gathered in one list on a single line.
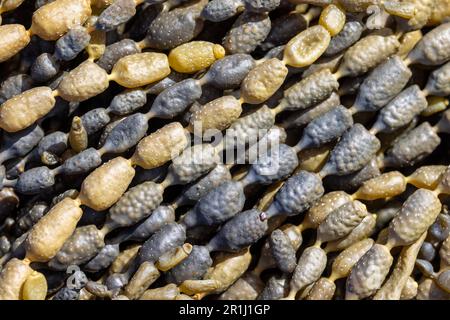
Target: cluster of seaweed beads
[(72, 192)]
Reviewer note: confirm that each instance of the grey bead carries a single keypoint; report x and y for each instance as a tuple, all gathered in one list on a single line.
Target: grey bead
[(83, 245), (209, 93), (367, 53), (95, 120), (127, 102), (275, 289), (351, 33), (82, 162), (5, 245), (434, 47), (126, 134), (228, 72), (276, 52), (18, 144), (303, 117), (72, 43), (326, 128), (29, 217), (387, 213), (247, 129), (54, 84), (425, 267), (2, 175), (310, 91), (248, 32), (40, 3), (107, 130), (353, 181), (242, 230), (355, 149), (176, 98), (175, 27), (439, 230), (193, 163), (272, 139), (150, 2), (114, 282), (200, 234), (71, 193), (427, 252), (161, 85), (207, 183), (297, 194), (192, 268), (369, 272), (382, 84), (221, 10), (277, 164), (103, 259), (439, 81), (44, 68), (282, 251), (350, 85), (401, 110), (136, 204), (155, 174), (115, 51), (159, 217), (283, 29), (55, 143), (217, 206), (15, 85), (170, 236), (18, 244), (119, 12), (143, 19), (67, 294), (261, 5), (413, 146), (35, 180), (444, 280), (331, 63), (341, 221)]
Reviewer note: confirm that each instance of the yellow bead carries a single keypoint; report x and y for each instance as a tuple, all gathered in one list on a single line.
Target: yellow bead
[(48, 235), (440, 12), (84, 82), (12, 278), (306, 47), (53, 20), (35, 287), (8, 5), (263, 81), (106, 184), (195, 56), (140, 69), (217, 114), (161, 146), (14, 38), (23, 110), (389, 184), (333, 19)]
